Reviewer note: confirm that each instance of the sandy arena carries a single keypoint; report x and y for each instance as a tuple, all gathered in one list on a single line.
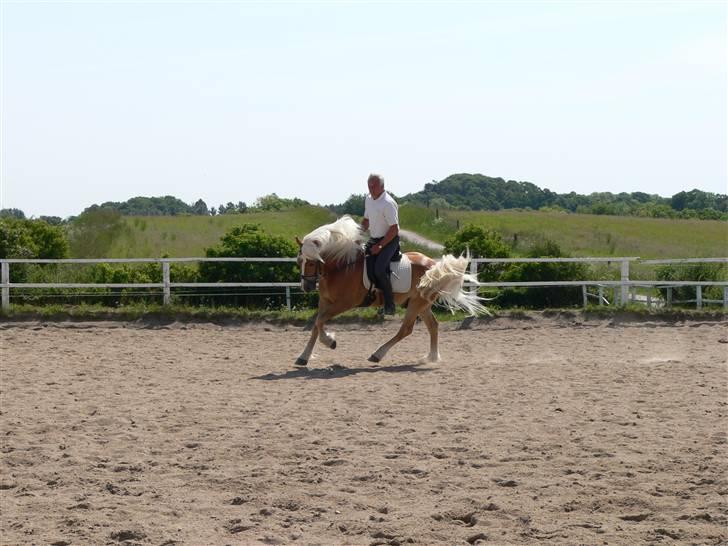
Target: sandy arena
[(531, 431)]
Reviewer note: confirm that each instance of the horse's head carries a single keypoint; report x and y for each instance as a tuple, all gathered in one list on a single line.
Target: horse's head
[(310, 261)]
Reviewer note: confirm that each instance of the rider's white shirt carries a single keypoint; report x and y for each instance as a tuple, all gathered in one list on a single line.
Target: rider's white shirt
[(382, 213)]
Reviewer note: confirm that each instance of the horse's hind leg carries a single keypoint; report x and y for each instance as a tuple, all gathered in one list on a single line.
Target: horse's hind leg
[(431, 322), (328, 339), (413, 309)]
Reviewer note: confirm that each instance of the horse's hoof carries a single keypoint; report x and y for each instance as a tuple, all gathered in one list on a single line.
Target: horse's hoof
[(333, 345), (374, 358), (301, 362)]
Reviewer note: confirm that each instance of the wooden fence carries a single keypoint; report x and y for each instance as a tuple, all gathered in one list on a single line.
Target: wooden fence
[(623, 290)]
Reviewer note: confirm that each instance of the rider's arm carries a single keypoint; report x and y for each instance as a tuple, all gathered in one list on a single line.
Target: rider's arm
[(392, 232)]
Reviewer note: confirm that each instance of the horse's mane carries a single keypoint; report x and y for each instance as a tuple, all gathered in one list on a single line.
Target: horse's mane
[(339, 241)]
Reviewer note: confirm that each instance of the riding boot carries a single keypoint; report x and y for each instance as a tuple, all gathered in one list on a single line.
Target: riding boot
[(386, 286)]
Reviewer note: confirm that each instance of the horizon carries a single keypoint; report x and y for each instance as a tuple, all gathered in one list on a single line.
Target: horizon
[(231, 101)]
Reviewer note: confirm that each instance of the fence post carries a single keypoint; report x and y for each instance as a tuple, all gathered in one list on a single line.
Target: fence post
[(698, 297), (288, 298), (725, 297), (669, 297), (633, 293), (165, 280), (474, 273), (625, 279), (584, 296), (601, 296), (5, 276), (649, 300)]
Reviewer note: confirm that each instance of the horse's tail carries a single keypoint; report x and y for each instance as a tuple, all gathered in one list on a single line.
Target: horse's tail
[(444, 282)]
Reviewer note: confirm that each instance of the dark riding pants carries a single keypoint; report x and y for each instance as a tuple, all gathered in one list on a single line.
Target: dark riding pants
[(381, 265), (384, 258)]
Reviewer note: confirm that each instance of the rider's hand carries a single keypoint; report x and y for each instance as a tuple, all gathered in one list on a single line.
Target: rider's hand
[(376, 249)]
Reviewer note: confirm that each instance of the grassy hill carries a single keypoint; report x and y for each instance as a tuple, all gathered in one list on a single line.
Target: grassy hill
[(577, 234), (187, 236), (581, 234)]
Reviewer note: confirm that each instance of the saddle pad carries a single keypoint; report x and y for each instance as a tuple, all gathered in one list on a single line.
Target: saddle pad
[(401, 276)]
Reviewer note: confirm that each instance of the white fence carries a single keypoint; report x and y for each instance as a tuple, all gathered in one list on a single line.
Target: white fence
[(624, 290)]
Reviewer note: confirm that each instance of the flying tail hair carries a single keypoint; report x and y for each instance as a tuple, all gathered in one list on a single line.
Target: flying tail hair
[(444, 283)]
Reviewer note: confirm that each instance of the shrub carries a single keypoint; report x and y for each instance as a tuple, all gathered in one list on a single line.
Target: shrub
[(542, 297), (482, 243), (692, 272), (249, 240)]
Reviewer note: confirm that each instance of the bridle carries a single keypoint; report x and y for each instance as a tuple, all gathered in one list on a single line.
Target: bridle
[(313, 277)]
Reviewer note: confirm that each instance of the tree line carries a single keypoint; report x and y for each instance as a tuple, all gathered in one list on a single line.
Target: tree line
[(480, 192), (457, 191)]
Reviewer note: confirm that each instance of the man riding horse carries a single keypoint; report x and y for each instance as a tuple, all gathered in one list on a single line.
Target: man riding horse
[(381, 219)]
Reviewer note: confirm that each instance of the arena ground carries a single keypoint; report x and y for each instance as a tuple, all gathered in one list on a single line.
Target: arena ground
[(532, 430)]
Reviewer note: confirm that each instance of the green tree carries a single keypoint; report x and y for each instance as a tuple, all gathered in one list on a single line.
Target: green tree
[(12, 213), (28, 239), (354, 205), (200, 208), (31, 239)]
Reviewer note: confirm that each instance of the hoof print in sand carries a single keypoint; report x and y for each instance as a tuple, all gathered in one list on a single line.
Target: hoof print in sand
[(477, 539), (127, 535), (235, 526), (467, 519)]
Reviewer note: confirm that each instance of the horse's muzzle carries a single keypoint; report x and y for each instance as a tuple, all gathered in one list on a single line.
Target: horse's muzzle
[(308, 285)]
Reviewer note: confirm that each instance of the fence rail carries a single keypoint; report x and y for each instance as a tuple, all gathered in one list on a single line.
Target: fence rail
[(625, 289)]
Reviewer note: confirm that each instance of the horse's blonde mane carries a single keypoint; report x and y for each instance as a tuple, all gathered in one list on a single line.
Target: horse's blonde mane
[(339, 241)]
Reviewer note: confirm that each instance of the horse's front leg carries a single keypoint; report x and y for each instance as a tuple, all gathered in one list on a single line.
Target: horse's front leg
[(413, 309), (318, 332), (306, 354)]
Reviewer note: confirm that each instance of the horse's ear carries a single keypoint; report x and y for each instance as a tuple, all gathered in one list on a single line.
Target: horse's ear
[(298, 241)]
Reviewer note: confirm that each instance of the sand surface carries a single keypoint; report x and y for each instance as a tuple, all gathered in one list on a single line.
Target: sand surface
[(531, 431)]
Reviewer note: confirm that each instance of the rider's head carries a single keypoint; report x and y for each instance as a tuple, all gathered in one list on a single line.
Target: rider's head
[(376, 185)]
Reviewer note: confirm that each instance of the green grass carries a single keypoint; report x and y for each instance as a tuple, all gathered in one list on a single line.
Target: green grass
[(576, 234), (581, 234), (188, 236), (233, 315)]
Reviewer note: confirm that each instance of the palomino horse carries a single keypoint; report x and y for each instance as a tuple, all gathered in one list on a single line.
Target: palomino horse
[(333, 257)]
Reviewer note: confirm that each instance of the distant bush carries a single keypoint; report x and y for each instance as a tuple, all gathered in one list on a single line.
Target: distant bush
[(28, 239), (692, 272), (248, 241), (354, 206), (542, 297), (272, 202), (482, 243), (12, 213), (92, 233)]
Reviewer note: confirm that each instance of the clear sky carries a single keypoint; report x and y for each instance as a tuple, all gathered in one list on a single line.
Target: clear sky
[(228, 101)]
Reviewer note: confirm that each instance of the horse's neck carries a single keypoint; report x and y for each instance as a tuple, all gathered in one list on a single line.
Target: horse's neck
[(339, 265)]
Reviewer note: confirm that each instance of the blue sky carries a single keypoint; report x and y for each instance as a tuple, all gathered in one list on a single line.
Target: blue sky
[(228, 101)]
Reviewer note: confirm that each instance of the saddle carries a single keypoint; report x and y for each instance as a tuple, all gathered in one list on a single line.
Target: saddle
[(399, 270), (369, 261)]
